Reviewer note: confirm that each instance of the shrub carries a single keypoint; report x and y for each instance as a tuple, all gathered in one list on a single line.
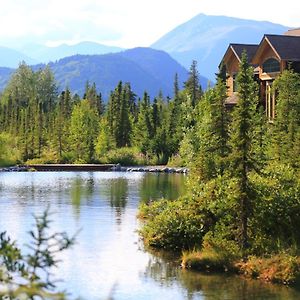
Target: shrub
[(125, 156), (280, 268), (173, 225)]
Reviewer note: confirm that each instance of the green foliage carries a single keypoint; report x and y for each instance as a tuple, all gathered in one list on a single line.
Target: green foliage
[(176, 225), (192, 85), (83, 131), (243, 190), (208, 260), (28, 275), (281, 268), (286, 131), (124, 156), (9, 153)]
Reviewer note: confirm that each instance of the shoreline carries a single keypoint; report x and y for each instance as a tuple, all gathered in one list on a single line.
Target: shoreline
[(92, 167)]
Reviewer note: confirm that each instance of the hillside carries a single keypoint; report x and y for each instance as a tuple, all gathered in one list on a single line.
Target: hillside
[(44, 54), (206, 38), (145, 68), (11, 58)]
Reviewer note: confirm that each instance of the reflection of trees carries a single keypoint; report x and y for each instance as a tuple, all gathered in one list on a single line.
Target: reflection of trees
[(82, 189), (166, 271), (118, 192), (161, 185), (118, 196)]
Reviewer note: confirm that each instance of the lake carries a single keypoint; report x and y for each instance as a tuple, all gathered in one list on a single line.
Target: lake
[(108, 260)]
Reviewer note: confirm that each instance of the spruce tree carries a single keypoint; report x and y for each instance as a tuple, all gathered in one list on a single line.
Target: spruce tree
[(192, 85), (286, 129), (243, 159)]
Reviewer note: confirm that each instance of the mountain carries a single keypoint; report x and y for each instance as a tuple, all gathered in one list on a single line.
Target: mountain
[(146, 69), (11, 58), (5, 74), (205, 39), (44, 54)]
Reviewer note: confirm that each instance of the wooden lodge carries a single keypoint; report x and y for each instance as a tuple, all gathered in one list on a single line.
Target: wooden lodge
[(269, 58)]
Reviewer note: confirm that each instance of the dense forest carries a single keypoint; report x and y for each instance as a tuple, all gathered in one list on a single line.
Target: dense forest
[(39, 125)]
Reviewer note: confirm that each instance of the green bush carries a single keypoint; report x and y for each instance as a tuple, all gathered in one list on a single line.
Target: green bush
[(9, 153), (173, 225), (125, 156)]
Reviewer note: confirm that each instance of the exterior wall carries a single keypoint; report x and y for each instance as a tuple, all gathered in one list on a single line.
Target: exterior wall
[(267, 97), (232, 67), (266, 54)]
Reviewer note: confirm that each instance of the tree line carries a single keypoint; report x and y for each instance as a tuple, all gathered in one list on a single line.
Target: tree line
[(41, 124)]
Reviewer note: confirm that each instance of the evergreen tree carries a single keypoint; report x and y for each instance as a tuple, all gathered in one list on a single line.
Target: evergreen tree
[(192, 85), (143, 131), (83, 131), (287, 121), (242, 157), (212, 132)]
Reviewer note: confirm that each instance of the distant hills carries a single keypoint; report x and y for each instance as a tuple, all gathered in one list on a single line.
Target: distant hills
[(145, 68), (11, 58), (44, 54), (205, 39)]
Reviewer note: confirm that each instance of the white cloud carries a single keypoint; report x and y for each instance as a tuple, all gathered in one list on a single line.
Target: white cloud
[(118, 22)]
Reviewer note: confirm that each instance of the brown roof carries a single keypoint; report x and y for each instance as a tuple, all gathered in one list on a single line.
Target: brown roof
[(249, 48), (287, 47), (238, 49), (294, 31)]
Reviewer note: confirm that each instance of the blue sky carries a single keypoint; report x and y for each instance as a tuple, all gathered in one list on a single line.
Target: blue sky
[(124, 23)]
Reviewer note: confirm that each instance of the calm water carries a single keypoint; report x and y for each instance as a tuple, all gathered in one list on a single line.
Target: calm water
[(108, 259)]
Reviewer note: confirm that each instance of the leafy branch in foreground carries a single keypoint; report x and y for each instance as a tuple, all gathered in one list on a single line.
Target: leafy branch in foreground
[(28, 276)]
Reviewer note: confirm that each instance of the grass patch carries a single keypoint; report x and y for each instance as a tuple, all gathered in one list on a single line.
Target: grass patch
[(280, 268), (208, 261)]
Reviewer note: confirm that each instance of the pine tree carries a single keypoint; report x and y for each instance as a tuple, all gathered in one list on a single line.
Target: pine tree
[(212, 131), (192, 85), (287, 121), (143, 130), (242, 157), (84, 131)]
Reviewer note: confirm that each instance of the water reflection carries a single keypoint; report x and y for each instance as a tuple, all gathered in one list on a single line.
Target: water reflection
[(157, 186), (166, 270), (109, 258)]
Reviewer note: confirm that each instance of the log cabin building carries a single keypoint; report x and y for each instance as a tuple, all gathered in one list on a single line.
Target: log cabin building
[(269, 58)]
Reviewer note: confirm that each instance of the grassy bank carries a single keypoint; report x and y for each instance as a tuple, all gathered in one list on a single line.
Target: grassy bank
[(280, 268)]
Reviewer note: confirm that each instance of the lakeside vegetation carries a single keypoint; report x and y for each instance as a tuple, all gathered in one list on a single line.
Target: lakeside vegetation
[(241, 212)]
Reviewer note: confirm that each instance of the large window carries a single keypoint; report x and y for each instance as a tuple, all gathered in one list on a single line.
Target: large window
[(271, 65)]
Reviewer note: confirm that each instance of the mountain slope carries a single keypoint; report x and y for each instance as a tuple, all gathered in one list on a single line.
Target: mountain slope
[(160, 65), (145, 68), (45, 54), (206, 38), (11, 58)]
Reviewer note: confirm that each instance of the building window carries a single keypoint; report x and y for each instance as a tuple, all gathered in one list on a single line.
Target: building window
[(271, 65)]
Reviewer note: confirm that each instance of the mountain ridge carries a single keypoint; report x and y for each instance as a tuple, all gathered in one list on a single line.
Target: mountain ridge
[(108, 69), (205, 38)]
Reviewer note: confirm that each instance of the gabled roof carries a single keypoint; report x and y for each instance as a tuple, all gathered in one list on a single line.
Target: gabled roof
[(238, 49), (249, 48), (285, 46)]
